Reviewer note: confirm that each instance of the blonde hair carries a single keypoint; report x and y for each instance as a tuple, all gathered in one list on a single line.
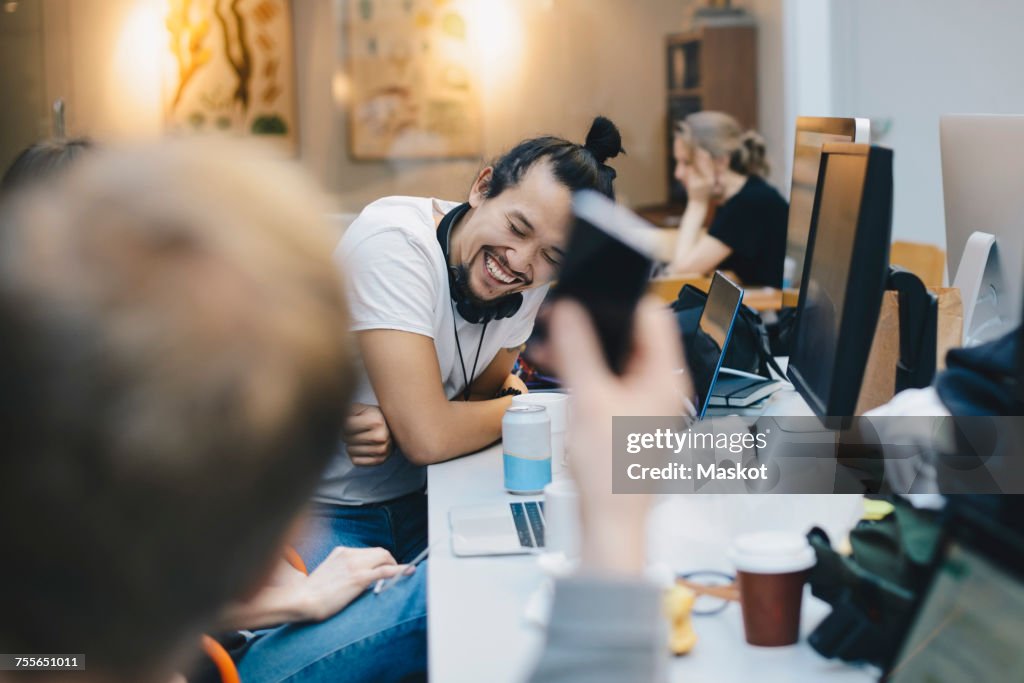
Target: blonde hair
[(175, 334), (723, 138)]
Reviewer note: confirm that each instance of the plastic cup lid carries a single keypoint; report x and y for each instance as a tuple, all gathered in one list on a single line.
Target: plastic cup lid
[(772, 552)]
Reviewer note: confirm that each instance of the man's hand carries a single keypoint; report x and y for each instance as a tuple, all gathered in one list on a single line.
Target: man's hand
[(343, 577), (366, 435), (614, 525), (514, 382)]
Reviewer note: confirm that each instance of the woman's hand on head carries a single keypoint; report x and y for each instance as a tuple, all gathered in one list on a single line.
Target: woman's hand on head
[(702, 182)]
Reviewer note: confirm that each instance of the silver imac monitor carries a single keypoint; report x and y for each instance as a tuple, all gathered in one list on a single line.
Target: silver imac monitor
[(811, 133), (982, 176)]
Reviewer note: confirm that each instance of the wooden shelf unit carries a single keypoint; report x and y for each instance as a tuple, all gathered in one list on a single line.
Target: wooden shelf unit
[(710, 68)]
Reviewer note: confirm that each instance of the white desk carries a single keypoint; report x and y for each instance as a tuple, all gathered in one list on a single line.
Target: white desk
[(477, 631)]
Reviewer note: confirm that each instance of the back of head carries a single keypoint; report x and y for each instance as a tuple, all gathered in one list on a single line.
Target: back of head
[(578, 167), (43, 160), (173, 372), (724, 138)]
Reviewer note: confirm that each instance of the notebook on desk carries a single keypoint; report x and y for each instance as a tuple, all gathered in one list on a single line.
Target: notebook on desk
[(738, 389)]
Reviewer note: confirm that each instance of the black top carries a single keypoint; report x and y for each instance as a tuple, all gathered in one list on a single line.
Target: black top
[(753, 224)]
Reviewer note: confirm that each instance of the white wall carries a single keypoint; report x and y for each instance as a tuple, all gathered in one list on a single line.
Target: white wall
[(909, 61), (807, 68), (771, 88)]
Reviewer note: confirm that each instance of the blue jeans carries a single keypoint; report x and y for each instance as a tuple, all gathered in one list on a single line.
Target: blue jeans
[(378, 638), (399, 526)]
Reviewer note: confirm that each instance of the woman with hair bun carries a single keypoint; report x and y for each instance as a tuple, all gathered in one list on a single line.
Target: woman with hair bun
[(717, 161)]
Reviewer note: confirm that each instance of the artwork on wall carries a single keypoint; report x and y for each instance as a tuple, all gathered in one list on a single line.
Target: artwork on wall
[(414, 93), (230, 68)]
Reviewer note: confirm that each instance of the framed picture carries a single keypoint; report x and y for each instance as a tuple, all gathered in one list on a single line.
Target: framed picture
[(414, 91), (230, 68)]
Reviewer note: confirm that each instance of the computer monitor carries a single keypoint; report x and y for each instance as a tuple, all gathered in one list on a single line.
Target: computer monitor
[(967, 626), (811, 133), (981, 188), (844, 277)]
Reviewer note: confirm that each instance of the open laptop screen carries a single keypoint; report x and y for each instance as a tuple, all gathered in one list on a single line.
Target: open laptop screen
[(713, 332)]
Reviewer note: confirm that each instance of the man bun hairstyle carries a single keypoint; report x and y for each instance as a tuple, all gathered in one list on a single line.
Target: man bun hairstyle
[(723, 138), (578, 167)]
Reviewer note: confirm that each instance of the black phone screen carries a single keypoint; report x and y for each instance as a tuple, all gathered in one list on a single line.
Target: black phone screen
[(608, 278)]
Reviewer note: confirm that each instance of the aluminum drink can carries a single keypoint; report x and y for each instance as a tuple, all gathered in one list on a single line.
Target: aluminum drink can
[(526, 445)]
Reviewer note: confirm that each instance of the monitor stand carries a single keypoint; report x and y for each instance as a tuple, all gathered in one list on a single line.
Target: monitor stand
[(983, 291)]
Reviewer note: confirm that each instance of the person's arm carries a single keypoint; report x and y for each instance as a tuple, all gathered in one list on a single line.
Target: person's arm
[(294, 597), (366, 435), (606, 624), (496, 377), (691, 225), (702, 256), (403, 369)]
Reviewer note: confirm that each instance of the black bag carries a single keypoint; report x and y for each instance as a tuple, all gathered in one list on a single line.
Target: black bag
[(874, 590), (782, 332), (748, 347)]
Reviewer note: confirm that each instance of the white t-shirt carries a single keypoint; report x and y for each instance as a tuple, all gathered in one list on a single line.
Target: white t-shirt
[(397, 279)]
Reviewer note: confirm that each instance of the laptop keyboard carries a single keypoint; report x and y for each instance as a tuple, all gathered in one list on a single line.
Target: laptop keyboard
[(529, 520)]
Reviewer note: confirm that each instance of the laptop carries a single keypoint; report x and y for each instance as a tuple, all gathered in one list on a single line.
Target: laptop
[(969, 624), (714, 330)]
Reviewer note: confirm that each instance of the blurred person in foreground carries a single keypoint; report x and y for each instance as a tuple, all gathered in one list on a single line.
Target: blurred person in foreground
[(175, 366), (174, 371)]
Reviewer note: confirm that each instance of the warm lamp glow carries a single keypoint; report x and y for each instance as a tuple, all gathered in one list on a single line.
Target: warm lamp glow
[(137, 61), (340, 87), (496, 29)]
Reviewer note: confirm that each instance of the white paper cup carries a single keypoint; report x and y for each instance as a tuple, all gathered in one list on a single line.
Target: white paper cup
[(557, 405), (562, 518)]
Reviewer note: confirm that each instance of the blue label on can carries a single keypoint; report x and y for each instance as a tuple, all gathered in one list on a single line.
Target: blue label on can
[(524, 475)]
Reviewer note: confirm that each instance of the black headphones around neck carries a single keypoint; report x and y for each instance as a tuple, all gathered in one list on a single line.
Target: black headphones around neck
[(470, 309)]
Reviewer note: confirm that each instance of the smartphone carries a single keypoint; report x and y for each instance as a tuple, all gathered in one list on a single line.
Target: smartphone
[(607, 265)]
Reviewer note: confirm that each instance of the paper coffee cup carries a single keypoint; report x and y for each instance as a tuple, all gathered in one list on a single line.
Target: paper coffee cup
[(771, 568), (562, 518)]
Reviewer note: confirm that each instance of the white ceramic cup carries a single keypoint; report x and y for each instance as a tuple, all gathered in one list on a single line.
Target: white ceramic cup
[(557, 405), (562, 518)]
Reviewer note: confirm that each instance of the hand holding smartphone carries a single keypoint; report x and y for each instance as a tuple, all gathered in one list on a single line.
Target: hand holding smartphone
[(607, 266)]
